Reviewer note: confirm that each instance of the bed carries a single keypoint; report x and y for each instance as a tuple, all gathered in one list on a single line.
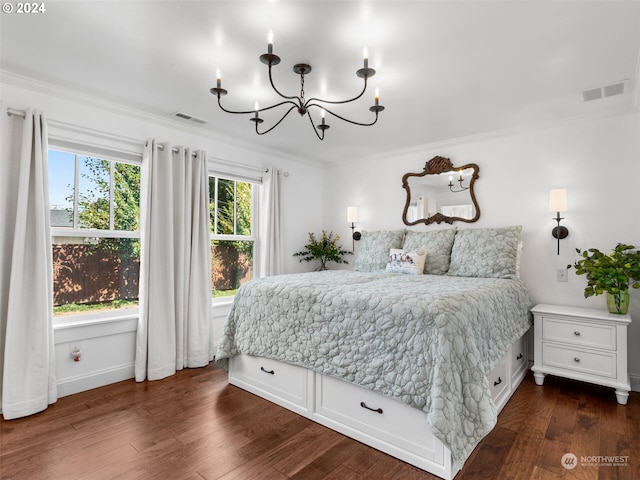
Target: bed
[(412, 354)]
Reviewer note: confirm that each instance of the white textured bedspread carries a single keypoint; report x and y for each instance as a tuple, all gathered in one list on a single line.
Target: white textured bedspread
[(426, 340)]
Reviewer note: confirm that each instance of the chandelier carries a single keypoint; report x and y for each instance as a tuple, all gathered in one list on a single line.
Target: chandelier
[(299, 102)]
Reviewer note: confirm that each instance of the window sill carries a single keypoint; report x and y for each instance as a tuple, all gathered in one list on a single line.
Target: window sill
[(222, 301), (110, 316), (71, 321)]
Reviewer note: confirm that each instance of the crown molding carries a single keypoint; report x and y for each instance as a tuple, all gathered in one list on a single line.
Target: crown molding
[(496, 134), (63, 93)]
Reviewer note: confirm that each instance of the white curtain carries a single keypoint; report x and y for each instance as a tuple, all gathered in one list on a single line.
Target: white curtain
[(26, 279), (270, 233), (174, 329)]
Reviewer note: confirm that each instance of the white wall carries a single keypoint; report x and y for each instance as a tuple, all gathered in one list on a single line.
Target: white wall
[(597, 161)]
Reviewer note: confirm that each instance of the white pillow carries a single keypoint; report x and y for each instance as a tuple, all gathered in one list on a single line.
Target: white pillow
[(401, 261)]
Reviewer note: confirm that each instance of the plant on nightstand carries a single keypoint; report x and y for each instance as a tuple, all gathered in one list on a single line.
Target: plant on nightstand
[(324, 250), (611, 274)]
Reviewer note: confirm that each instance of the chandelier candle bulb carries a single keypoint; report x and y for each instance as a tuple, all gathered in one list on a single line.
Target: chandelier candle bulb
[(365, 57), (377, 97), (270, 42), (218, 78)]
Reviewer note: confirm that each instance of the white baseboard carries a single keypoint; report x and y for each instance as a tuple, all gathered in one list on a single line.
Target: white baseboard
[(69, 386), (635, 382)]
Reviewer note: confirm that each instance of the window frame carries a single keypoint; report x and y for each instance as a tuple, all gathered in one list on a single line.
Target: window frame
[(112, 158), (255, 192), (79, 150)]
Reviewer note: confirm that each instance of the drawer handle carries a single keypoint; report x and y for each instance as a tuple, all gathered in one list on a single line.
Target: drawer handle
[(377, 410), (270, 372), (519, 356), (576, 359), (576, 333), (495, 384)]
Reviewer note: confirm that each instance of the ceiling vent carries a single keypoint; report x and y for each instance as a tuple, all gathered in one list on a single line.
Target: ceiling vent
[(191, 118), (617, 88)]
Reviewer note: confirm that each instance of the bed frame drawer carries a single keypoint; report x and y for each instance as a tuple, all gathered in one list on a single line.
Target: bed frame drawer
[(273, 380), (499, 381), (374, 414), (519, 359)]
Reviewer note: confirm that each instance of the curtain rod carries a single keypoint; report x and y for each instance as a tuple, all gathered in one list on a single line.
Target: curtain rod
[(160, 147), (17, 113), (23, 114)]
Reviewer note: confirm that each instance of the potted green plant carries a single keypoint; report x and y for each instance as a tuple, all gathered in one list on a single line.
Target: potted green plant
[(326, 249), (611, 274)]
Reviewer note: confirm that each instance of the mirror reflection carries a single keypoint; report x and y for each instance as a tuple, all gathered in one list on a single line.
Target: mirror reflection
[(441, 193)]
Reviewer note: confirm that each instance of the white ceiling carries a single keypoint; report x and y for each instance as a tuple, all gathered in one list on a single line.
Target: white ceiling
[(446, 69)]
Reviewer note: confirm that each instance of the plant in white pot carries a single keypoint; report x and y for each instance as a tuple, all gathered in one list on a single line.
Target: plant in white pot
[(611, 273)]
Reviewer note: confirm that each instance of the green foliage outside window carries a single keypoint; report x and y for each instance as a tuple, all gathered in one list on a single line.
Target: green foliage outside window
[(233, 216), (94, 204)]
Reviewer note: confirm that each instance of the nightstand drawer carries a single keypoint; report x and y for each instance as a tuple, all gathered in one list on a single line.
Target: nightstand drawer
[(593, 363), (579, 333)]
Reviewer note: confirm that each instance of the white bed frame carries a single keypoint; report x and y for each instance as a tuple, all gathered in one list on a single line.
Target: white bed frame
[(369, 417)]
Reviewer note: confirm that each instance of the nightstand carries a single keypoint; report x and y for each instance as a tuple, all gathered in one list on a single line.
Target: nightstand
[(583, 344)]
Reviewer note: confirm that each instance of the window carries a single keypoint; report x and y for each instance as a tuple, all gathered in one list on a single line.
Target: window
[(95, 213), (232, 234)]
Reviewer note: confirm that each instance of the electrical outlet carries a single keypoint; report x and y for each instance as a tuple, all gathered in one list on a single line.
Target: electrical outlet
[(75, 351), (562, 275)]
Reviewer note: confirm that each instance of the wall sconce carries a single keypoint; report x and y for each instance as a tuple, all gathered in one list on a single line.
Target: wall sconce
[(558, 203), (352, 218)]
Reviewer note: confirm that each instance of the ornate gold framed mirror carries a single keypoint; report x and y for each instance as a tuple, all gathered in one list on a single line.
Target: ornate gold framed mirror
[(441, 193)]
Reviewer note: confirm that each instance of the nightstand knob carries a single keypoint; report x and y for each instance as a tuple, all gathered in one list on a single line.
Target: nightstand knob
[(576, 333), (576, 359)]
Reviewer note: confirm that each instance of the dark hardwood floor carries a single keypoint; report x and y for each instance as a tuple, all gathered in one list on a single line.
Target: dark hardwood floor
[(196, 426)]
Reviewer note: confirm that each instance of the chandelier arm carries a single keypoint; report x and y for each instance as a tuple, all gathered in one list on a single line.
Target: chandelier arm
[(295, 105), (274, 126), (254, 111), (315, 130), (345, 119), (278, 91), (337, 102)]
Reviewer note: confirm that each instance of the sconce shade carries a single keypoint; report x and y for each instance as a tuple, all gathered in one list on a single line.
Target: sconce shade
[(558, 200), (352, 214)]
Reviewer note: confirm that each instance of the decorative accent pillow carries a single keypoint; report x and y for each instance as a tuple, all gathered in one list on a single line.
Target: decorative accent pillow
[(373, 254), (438, 243), (485, 252), (401, 261)]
